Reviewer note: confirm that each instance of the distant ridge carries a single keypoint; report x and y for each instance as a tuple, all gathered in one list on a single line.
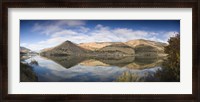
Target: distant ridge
[(24, 50)]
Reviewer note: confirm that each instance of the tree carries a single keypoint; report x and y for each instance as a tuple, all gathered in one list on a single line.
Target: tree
[(171, 66)]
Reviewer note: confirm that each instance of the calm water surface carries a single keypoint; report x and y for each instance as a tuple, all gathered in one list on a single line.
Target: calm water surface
[(78, 69)]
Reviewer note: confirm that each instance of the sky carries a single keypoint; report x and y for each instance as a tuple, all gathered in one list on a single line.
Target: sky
[(39, 34)]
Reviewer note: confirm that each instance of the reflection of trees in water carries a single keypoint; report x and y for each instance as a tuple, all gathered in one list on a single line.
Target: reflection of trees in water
[(136, 77)]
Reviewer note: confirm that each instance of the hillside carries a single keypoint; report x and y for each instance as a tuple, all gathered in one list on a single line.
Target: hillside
[(96, 45), (119, 49), (24, 50), (140, 47), (159, 46), (66, 48)]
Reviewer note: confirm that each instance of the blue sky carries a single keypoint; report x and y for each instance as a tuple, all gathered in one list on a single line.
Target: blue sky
[(40, 34)]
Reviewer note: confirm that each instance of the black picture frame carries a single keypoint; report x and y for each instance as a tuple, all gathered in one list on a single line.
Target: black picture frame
[(194, 4)]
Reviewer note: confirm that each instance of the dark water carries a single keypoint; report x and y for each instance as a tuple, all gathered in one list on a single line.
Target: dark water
[(80, 69)]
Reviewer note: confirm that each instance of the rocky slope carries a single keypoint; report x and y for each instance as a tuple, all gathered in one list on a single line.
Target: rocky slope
[(66, 48)]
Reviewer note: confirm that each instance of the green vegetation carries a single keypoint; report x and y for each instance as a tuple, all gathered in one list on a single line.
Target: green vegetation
[(128, 77), (144, 48), (171, 66), (146, 51), (27, 74), (135, 77)]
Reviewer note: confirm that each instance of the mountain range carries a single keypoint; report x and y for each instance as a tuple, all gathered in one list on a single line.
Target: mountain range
[(139, 47), (26, 51)]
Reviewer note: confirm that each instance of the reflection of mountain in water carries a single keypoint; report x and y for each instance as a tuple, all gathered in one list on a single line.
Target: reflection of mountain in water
[(66, 61), (143, 63), (145, 60), (128, 62), (93, 62), (121, 62)]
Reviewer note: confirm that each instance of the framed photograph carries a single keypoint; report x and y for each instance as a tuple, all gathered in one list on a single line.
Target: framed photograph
[(100, 50)]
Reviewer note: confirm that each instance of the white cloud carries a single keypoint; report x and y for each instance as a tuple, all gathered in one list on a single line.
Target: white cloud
[(98, 26), (50, 28), (45, 28), (100, 33), (129, 33), (171, 34), (64, 32), (37, 27), (36, 47), (101, 27), (23, 44), (52, 41), (167, 35), (46, 43), (70, 23), (153, 38), (84, 29)]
